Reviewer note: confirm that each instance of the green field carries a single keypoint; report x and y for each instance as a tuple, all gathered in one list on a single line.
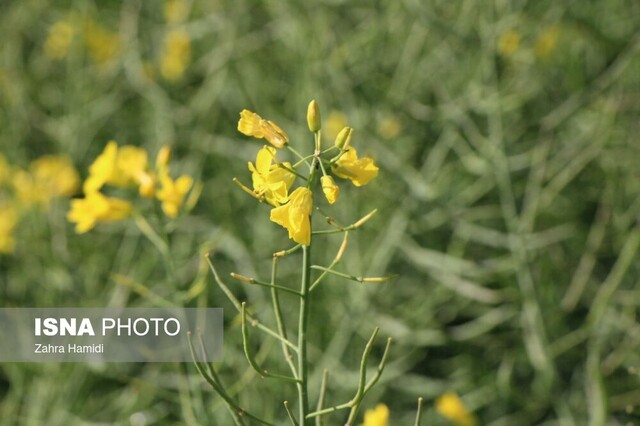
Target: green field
[(508, 201)]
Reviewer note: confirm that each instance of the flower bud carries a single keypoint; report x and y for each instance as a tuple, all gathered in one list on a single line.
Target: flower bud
[(344, 138), (313, 116), (330, 189)]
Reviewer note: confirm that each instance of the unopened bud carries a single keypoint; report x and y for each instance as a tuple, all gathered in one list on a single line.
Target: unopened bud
[(313, 116), (344, 138), (330, 189), (242, 278)]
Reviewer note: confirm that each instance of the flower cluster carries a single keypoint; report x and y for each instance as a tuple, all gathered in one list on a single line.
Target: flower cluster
[(175, 54), (46, 178), (102, 44), (273, 179), (127, 167)]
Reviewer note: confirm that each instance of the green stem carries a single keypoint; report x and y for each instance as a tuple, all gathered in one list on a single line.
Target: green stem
[(279, 320), (160, 242), (303, 397), (236, 303), (294, 422), (419, 412), (323, 391)]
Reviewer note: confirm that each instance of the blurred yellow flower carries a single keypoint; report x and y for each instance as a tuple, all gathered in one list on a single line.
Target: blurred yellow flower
[(379, 416), (102, 169), (176, 54), (103, 44), (334, 122), (172, 193), (251, 124), (359, 170), (120, 166), (294, 216), (56, 174), (175, 11), (450, 406), (49, 176), (508, 43), (389, 127), (8, 222), (269, 180), (546, 42), (59, 40), (131, 167), (330, 189), (94, 208)]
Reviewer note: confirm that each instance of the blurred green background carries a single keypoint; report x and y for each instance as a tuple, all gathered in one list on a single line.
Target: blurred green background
[(508, 197)]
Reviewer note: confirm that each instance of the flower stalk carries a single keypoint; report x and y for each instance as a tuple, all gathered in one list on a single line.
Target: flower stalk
[(273, 183)]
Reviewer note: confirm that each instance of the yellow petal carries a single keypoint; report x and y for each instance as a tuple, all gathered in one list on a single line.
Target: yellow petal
[(264, 159), (450, 406), (249, 124), (294, 216), (102, 168), (379, 416)]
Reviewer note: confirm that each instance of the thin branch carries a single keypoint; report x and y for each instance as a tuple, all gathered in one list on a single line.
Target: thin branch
[(250, 358), (294, 422), (279, 321), (323, 391), (353, 277), (220, 390), (351, 227), (250, 280), (419, 412), (236, 303)]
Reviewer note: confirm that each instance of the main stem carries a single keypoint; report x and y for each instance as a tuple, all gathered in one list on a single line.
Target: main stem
[(303, 397)]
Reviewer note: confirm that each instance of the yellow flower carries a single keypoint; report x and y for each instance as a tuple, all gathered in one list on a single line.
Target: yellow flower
[(175, 11), (48, 177), (546, 43), (294, 216), (359, 170), (56, 174), (120, 166), (269, 180), (103, 44), (8, 221), (251, 124), (508, 43), (450, 406), (28, 192), (389, 127), (131, 167), (59, 39), (330, 189), (379, 416), (172, 193), (94, 208), (176, 54), (102, 168)]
